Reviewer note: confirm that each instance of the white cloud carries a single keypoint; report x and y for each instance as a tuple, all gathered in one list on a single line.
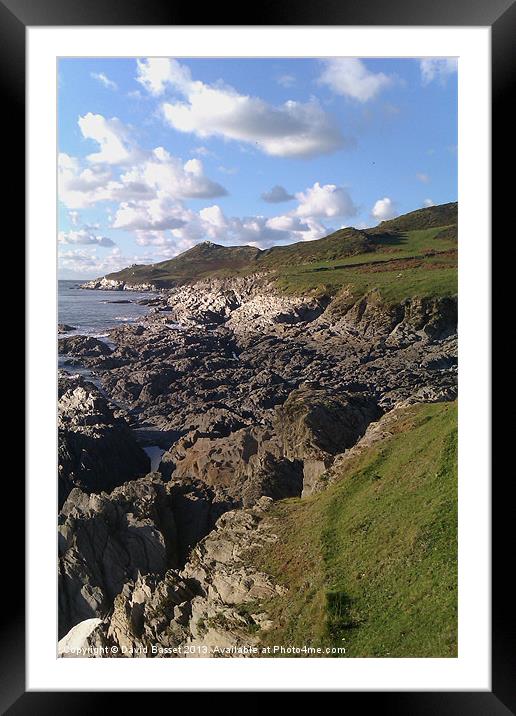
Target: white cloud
[(327, 201), (85, 263), (166, 226), (437, 68), (150, 175), (276, 195), (168, 181), (112, 137), (155, 73), (80, 188), (384, 209), (167, 175), (301, 224), (422, 177), (293, 129), (286, 80), (350, 77), (83, 237), (154, 215), (212, 224), (104, 80), (428, 202)]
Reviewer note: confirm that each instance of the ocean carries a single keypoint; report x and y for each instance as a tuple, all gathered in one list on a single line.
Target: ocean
[(93, 312)]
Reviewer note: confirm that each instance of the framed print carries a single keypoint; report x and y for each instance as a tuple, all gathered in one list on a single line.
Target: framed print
[(258, 291)]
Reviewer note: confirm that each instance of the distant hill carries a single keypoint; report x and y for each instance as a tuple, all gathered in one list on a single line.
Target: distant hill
[(423, 240), (202, 260), (428, 218)]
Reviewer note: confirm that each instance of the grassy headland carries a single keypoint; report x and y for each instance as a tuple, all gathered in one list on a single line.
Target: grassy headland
[(412, 255)]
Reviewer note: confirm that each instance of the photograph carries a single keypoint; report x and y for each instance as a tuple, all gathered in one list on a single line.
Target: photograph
[(257, 342)]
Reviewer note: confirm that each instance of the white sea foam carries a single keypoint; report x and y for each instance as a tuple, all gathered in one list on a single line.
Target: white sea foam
[(154, 452)]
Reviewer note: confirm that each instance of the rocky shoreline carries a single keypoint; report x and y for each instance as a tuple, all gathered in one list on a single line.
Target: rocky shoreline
[(253, 396), (106, 284)]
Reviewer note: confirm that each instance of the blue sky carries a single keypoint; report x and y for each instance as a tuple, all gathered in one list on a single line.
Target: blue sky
[(158, 154)]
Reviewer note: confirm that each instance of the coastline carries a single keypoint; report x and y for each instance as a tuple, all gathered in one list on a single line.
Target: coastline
[(250, 397)]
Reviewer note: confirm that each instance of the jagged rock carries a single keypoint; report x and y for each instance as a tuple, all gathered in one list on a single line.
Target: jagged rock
[(314, 425), (252, 394), (83, 346), (65, 328), (106, 540), (198, 611), (110, 284), (413, 319), (222, 379), (197, 507), (96, 451), (243, 466), (150, 612), (245, 304)]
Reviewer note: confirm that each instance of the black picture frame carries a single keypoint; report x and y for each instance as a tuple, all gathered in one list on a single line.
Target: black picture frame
[(500, 16)]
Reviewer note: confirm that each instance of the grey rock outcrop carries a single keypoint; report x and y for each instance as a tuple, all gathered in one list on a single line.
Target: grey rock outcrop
[(201, 611), (314, 425), (85, 346), (243, 467), (96, 451), (254, 396), (109, 284), (106, 540)]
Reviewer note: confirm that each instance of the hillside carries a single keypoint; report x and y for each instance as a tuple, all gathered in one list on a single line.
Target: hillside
[(202, 260), (414, 254), (371, 562)]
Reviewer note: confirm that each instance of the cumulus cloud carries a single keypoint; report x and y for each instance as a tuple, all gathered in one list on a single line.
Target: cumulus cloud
[(104, 80), (437, 69), (112, 136), (86, 264), (304, 223), (384, 209), (327, 201), (154, 215), (85, 237), (151, 175), (78, 187), (301, 224), (293, 129), (348, 76), (168, 181), (155, 73), (165, 174), (212, 224), (276, 195), (428, 202)]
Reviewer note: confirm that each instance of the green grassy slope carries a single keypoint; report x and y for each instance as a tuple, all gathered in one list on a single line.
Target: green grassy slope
[(428, 218), (415, 254), (371, 562), (413, 263), (205, 259)]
